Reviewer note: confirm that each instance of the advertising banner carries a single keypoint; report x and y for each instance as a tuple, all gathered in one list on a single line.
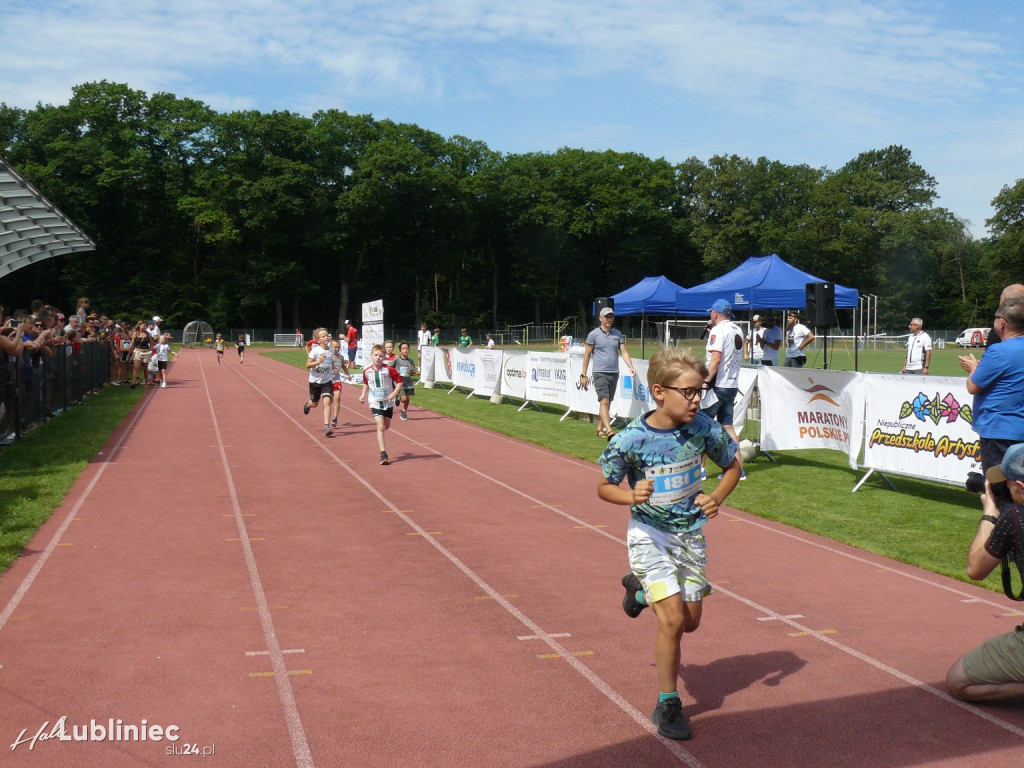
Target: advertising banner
[(515, 371), (426, 361), (812, 409), (547, 378), (488, 370), (463, 367), (921, 426), (373, 326)]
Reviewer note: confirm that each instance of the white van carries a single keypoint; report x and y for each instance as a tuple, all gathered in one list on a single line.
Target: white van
[(972, 337)]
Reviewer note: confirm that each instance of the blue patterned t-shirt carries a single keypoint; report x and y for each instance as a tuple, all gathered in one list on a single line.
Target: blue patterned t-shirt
[(671, 457)]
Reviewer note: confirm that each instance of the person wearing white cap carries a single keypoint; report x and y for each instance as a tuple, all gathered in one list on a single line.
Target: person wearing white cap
[(994, 671), (605, 343), (154, 326)]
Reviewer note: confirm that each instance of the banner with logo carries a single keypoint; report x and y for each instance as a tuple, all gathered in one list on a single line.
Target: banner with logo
[(488, 369), (373, 325), (463, 361), (515, 371), (426, 361), (921, 426), (547, 378), (812, 409)]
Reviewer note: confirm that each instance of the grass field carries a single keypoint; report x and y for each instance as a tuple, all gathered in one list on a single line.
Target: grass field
[(920, 523)]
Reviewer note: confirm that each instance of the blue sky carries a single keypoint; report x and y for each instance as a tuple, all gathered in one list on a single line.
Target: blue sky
[(792, 80)]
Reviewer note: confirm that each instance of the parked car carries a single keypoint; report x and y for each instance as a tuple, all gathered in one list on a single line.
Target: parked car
[(972, 337)]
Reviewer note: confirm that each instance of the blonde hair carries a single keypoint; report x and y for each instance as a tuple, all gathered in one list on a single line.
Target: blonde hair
[(669, 363), (318, 331)]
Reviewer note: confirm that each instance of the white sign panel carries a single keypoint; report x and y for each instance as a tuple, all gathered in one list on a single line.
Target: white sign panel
[(515, 371), (921, 426), (547, 377)]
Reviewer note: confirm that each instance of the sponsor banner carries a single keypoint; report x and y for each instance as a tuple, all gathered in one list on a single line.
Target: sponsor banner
[(373, 312), (546, 382), (921, 426), (464, 365), (488, 369), (373, 333), (443, 365), (632, 397), (427, 357), (580, 400), (812, 409), (515, 371)]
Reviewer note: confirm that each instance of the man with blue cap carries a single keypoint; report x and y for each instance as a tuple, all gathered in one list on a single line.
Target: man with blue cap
[(723, 357), (994, 671)]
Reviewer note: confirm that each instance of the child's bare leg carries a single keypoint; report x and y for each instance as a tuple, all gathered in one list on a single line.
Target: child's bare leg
[(674, 618), (382, 425)]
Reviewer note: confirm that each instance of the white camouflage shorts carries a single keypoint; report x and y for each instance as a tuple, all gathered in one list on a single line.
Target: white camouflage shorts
[(668, 563)]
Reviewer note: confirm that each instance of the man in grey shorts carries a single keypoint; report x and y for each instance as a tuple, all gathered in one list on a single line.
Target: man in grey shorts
[(605, 344), (994, 671)]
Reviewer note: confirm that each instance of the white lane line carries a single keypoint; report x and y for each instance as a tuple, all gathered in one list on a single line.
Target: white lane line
[(764, 611), (300, 745), (30, 578)]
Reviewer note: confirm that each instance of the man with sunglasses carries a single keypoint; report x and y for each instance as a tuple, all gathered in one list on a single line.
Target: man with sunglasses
[(997, 383)]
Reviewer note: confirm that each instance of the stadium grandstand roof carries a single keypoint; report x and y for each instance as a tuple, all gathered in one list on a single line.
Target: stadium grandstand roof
[(31, 227)]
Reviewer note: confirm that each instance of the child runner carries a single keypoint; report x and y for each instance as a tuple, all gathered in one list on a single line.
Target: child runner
[(406, 368), (341, 366), (659, 454), (219, 344), (383, 384), (240, 346), (321, 377), (160, 351), (389, 353)]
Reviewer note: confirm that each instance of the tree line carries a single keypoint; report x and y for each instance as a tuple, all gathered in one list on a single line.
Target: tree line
[(250, 219)]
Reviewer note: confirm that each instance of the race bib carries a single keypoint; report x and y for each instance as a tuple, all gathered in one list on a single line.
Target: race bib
[(674, 482)]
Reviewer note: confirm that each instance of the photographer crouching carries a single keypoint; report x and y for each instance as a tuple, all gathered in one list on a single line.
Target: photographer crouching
[(994, 671)]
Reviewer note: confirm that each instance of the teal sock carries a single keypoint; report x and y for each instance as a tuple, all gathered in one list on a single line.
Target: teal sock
[(666, 696), (640, 597)]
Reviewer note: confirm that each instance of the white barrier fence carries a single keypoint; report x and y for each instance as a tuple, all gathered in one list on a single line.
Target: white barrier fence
[(919, 426)]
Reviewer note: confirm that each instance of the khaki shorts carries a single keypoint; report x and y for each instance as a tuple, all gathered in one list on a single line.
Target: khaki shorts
[(668, 563), (999, 659), (142, 355)]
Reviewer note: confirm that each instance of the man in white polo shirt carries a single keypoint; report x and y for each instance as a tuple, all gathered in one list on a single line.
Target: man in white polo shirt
[(724, 358), (919, 350)]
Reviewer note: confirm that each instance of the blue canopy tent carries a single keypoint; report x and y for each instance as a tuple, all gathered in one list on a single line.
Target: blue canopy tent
[(651, 296), (761, 282)]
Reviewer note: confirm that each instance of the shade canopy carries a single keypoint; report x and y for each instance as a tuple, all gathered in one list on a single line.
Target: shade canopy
[(31, 227), (651, 296), (761, 282)]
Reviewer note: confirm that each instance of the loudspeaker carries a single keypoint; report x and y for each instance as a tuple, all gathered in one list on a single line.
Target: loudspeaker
[(821, 304), (600, 303)]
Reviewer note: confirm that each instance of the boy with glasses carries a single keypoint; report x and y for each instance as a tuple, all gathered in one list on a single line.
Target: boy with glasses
[(659, 454)]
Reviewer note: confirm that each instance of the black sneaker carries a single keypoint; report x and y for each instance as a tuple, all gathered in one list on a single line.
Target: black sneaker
[(334, 421), (305, 407), (671, 722), (630, 604), (384, 457), (327, 430)]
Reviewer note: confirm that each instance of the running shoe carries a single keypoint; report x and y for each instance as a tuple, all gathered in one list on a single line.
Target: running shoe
[(630, 604), (671, 722), (703, 474), (163, 385), (327, 430), (384, 458), (305, 408), (743, 475), (334, 421), (404, 416)]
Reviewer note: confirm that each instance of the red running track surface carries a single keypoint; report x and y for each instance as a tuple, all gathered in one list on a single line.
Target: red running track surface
[(282, 600)]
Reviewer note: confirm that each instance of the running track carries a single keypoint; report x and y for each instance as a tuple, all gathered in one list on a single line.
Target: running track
[(285, 601)]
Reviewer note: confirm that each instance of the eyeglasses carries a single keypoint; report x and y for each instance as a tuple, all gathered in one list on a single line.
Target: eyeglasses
[(690, 393), (37, 325)]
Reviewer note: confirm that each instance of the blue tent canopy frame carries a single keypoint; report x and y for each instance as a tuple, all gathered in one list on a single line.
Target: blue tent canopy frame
[(761, 282), (651, 296)]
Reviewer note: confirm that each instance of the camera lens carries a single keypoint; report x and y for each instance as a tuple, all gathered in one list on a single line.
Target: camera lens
[(975, 482)]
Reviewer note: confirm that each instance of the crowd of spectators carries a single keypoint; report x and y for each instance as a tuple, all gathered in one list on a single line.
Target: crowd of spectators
[(32, 337)]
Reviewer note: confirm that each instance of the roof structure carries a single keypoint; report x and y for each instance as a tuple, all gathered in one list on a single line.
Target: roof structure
[(31, 227)]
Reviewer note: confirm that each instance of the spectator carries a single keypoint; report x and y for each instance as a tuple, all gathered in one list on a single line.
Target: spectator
[(724, 357), (919, 349), (997, 383), (605, 343), (752, 347), (465, 340), (352, 338), (994, 671), (1014, 291), (771, 340), (798, 337)]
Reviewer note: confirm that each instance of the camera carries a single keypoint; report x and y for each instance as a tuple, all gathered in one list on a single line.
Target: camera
[(975, 482)]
